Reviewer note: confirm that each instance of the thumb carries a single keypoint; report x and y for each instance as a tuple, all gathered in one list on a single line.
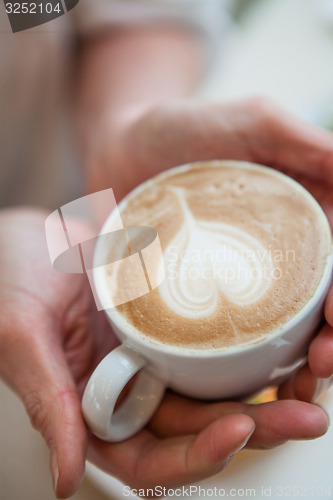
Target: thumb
[(145, 461), (36, 368), (55, 412)]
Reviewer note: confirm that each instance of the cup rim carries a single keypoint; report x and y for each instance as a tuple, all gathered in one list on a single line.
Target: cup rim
[(131, 332)]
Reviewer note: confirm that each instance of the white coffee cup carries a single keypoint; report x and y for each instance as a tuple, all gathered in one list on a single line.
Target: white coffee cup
[(199, 373)]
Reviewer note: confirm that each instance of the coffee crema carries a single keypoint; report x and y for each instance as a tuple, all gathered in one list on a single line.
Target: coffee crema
[(244, 249)]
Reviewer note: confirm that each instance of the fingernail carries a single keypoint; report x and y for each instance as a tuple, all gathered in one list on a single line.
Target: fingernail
[(244, 443), (322, 385), (55, 480), (54, 469)]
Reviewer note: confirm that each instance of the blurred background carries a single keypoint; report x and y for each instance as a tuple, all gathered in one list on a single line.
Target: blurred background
[(279, 48)]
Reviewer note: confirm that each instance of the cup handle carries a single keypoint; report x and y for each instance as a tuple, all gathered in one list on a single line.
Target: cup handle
[(104, 388)]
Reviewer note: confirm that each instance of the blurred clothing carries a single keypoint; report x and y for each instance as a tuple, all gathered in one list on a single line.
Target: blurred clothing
[(34, 95), (39, 164)]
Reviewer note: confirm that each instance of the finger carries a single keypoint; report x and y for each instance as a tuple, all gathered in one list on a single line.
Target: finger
[(308, 387), (281, 421), (320, 355), (286, 389), (39, 374), (291, 142), (302, 386), (145, 461), (178, 415), (55, 411), (276, 422)]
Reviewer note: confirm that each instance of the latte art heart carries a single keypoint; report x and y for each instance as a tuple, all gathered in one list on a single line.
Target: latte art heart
[(206, 259)]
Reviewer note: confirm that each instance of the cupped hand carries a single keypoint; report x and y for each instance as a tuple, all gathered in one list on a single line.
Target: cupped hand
[(51, 339)]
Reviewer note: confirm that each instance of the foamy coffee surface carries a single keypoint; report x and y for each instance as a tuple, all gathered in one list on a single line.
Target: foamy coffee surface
[(244, 250)]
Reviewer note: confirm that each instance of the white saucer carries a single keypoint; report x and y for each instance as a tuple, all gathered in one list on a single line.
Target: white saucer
[(296, 469)]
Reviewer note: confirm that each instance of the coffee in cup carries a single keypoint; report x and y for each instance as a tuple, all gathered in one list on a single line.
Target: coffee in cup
[(244, 250)]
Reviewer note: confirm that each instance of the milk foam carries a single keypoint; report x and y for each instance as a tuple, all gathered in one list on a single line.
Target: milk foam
[(205, 258)]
